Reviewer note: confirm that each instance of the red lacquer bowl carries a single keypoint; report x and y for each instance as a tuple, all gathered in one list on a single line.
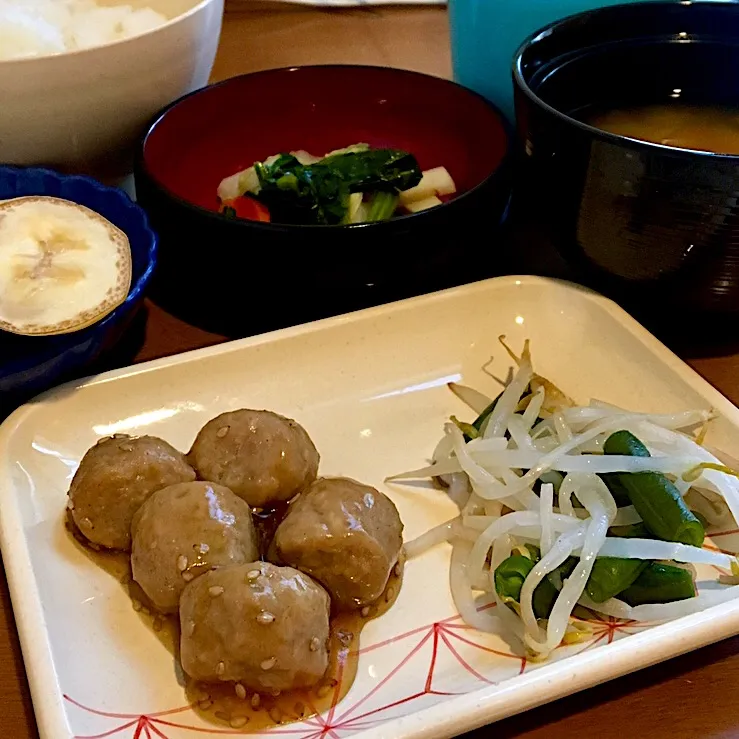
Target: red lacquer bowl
[(216, 131)]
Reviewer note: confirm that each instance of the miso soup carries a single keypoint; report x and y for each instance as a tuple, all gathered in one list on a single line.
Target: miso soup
[(703, 128)]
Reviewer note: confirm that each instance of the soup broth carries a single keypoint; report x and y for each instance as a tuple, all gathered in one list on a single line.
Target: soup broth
[(701, 128)]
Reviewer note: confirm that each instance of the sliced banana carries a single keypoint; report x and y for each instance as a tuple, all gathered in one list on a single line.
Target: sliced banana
[(63, 267)]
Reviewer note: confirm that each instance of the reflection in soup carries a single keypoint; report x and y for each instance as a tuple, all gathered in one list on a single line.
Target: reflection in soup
[(685, 126)]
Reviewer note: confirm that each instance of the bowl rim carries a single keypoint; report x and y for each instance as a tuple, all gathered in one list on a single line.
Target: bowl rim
[(135, 293), (503, 165), (521, 85), (73, 53)]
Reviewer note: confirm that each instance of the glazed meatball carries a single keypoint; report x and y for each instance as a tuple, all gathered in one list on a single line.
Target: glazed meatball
[(263, 457), (183, 531), (263, 626), (346, 535), (114, 479)]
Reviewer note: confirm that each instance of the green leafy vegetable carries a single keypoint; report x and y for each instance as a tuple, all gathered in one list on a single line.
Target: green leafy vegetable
[(382, 206), (319, 193)]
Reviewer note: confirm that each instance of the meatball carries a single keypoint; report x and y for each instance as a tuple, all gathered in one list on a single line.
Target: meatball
[(185, 530), (114, 479), (263, 457), (258, 624), (346, 535)]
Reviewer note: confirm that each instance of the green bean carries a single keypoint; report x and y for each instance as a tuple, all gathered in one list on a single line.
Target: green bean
[(632, 531), (655, 498), (512, 572), (611, 575), (660, 582), (510, 575), (548, 589), (618, 491)]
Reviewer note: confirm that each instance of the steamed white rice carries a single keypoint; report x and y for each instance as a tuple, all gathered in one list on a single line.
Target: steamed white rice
[(31, 28)]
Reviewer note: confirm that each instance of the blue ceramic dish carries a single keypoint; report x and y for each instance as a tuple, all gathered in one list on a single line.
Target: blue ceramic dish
[(29, 365)]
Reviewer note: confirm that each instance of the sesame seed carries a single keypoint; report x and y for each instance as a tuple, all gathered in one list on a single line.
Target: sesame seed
[(220, 668), (187, 576), (70, 505), (153, 544), (145, 611), (315, 642), (157, 624), (274, 693), (265, 617), (202, 695), (190, 628), (238, 722), (268, 664), (365, 611), (222, 432), (276, 715), (323, 691), (397, 570), (86, 523), (136, 604), (240, 691), (126, 448), (390, 594), (120, 436), (182, 563), (223, 716), (204, 705), (215, 591), (256, 700), (253, 574)]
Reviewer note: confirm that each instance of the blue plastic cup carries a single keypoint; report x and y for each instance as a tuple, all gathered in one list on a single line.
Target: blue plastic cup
[(485, 35)]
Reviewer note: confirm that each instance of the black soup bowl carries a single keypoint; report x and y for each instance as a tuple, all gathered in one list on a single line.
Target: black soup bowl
[(240, 276), (656, 227)]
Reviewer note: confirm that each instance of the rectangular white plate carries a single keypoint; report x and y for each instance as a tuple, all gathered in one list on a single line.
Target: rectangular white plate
[(370, 389)]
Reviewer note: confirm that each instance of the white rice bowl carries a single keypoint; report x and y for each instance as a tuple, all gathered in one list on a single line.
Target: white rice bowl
[(34, 28)]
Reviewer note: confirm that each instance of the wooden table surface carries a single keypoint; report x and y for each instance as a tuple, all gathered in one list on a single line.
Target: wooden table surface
[(691, 696)]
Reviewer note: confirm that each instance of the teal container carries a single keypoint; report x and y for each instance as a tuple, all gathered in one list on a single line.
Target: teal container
[(485, 35)]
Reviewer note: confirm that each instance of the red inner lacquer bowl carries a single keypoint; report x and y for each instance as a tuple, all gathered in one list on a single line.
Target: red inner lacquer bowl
[(217, 131)]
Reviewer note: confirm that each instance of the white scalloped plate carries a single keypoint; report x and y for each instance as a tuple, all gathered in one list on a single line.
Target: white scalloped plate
[(370, 388)]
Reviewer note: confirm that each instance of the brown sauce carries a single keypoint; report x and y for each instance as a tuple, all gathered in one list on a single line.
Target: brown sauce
[(228, 704)]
